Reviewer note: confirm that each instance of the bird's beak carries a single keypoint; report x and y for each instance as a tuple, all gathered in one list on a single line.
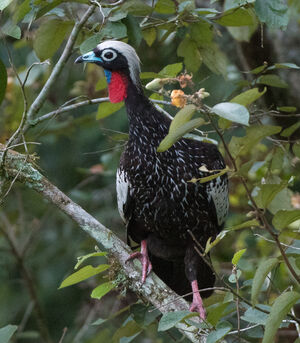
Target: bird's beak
[(89, 57)]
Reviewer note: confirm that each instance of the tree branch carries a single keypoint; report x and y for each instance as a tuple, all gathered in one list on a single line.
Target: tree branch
[(154, 290), (40, 99)]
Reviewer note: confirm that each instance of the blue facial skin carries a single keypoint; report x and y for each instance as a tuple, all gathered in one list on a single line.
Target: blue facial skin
[(91, 57), (107, 75)]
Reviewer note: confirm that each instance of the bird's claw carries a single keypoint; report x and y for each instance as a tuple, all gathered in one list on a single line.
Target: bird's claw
[(198, 307), (146, 264)]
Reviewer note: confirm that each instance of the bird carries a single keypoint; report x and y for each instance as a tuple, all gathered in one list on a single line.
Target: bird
[(165, 213)]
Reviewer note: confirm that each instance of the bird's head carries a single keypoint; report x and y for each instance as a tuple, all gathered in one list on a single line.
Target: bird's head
[(121, 65)]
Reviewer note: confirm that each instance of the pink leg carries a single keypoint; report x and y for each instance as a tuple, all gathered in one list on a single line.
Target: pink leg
[(143, 257), (197, 304)]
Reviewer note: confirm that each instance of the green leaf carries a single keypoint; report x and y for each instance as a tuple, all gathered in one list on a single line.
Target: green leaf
[(267, 192), (90, 43), (82, 274), (232, 111), (189, 51), (11, 29), (221, 331), (173, 136), (102, 289), (237, 256), (252, 315), (236, 17), (210, 177), (6, 333), (118, 15), (288, 109), (248, 223), (254, 134), (114, 30), (137, 7), (214, 58), (165, 7), (216, 312), (144, 315), (296, 149), (182, 117), (170, 319), (171, 70), (134, 32), (4, 4), (107, 108), (272, 80), (260, 275), (281, 307), (127, 332), (283, 66), (290, 130), (202, 33), (284, 218), (3, 83), (223, 233), (272, 12), (149, 35), (81, 259), (248, 97), (49, 37)]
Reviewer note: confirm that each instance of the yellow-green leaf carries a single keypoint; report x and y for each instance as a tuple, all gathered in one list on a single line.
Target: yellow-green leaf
[(102, 289), (82, 274), (49, 37), (260, 275), (171, 70), (149, 35), (81, 259), (182, 116), (272, 80), (107, 108), (284, 218), (173, 136), (248, 97), (237, 256), (281, 307)]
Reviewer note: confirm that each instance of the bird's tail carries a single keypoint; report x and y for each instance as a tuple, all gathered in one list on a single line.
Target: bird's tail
[(173, 274)]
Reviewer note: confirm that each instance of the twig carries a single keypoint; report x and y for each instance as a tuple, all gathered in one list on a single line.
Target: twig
[(40, 99), (234, 270), (63, 334), (271, 241)]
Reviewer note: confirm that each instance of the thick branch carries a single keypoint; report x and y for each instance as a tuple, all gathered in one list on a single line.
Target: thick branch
[(154, 290)]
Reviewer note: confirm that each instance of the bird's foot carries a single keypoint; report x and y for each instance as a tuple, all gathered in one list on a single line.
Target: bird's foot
[(144, 259), (197, 304)]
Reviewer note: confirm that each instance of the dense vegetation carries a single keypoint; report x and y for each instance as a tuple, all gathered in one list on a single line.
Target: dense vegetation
[(235, 64)]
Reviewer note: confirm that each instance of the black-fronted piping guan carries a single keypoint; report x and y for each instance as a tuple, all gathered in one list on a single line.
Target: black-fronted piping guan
[(155, 198)]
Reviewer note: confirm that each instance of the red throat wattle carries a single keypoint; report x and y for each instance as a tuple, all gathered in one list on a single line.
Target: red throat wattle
[(117, 87)]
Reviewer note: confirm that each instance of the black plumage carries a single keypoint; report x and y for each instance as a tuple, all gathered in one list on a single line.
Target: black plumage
[(156, 199)]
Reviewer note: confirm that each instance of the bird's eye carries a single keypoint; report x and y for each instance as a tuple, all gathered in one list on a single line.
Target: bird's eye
[(108, 55)]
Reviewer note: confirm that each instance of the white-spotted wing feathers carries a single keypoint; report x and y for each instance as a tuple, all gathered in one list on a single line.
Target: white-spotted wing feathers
[(122, 185)]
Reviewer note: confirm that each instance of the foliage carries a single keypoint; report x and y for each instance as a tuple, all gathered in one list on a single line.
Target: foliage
[(239, 78)]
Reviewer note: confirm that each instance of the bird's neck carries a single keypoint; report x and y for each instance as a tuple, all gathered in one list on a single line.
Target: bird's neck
[(144, 118), (117, 85)]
